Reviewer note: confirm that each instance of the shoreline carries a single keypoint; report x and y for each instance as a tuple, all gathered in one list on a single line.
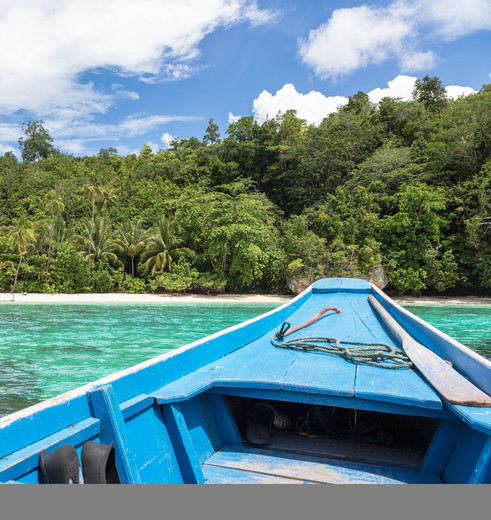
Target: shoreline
[(226, 298)]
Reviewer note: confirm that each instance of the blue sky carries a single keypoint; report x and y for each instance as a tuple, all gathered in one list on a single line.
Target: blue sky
[(124, 73)]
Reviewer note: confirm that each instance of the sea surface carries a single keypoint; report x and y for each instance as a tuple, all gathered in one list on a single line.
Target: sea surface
[(49, 349)]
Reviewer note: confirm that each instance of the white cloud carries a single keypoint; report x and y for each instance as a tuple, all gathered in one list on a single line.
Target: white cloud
[(454, 18), (47, 47), (400, 87), (167, 139), (356, 37), (313, 107), (454, 91), (232, 118)]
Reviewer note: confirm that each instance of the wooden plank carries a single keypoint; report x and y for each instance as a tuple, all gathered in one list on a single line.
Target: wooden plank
[(441, 447), (314, 469), (27, 459), (183, 445), (345, 449), (477, 418), (106, 408), (454, 387), (219, 475), (224, 420), (482, 464), (401, 386), (322, 373)]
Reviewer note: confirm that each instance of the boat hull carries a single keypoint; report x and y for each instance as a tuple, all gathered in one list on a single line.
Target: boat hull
[(184, 417)]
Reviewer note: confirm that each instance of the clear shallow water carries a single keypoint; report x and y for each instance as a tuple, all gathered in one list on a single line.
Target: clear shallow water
[(469, 324), (46, 350)]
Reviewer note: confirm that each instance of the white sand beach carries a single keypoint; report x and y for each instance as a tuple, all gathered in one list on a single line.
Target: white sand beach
[(143, 298), (223, 298)]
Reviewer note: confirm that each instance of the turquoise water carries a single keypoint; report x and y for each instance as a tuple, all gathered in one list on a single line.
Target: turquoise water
[(46, 350)]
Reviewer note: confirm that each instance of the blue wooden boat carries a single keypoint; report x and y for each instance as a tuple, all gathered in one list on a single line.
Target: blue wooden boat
[(301, 394)]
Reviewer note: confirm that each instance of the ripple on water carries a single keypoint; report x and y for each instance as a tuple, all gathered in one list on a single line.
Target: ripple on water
[(46, 350)]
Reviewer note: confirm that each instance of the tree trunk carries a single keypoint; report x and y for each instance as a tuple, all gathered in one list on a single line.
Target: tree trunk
[(91, 232), (16, 276), (49, 247)]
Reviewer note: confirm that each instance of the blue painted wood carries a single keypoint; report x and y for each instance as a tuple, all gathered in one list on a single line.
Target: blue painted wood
[(465, 456), (474, 367), (137, 404), (226, 427), (314, 469), (441, 447), (331, 400), (395, 386), (183, 445), (105, 407), (198, 425), (26, 459), (17, 432), (219, 475), (447, 381), (320, 373), (482, 465), (477, 418), (185, 388), (151, 447)]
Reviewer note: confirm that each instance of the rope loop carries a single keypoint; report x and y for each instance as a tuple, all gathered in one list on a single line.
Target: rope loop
[(374, 354)]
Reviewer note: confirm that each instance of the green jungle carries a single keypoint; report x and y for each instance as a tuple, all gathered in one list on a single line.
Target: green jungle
[(398, 193)]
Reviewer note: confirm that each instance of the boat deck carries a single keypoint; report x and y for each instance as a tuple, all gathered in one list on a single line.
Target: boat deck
[(260, 366)]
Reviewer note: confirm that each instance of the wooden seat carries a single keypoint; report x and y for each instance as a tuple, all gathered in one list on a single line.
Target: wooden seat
[(238, 464)]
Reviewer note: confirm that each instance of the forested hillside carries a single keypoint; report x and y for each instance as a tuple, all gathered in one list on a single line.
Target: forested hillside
[(401, 189)]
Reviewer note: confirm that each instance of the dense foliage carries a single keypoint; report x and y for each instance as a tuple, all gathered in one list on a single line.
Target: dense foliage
[(401, 188)]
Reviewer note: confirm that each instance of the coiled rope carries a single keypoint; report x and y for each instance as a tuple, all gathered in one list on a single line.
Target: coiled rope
[(374, 354)]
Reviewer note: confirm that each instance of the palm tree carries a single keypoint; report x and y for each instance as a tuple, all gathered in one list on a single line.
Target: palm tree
[(162, 249), (107, 196), (19, 238), (93, 193), (98, 243), (54, 206), (131, 242)]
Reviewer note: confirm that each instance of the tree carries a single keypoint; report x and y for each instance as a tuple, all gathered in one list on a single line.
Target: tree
[(20, 237), (162, 249), (131, 242), (54, 206), (431, 92), (108, 197), (212, 136), (100, 244), (38, 142), (93, 194)]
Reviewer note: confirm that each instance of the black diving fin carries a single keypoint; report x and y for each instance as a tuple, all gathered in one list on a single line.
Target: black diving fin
[(60, 466), (99, 463)]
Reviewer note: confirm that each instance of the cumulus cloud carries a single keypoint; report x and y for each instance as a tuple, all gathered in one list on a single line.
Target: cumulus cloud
[(455, 91), (400, 87), (167, 139), (356, 37), (313, 107), (232, 118), (50, 50)]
